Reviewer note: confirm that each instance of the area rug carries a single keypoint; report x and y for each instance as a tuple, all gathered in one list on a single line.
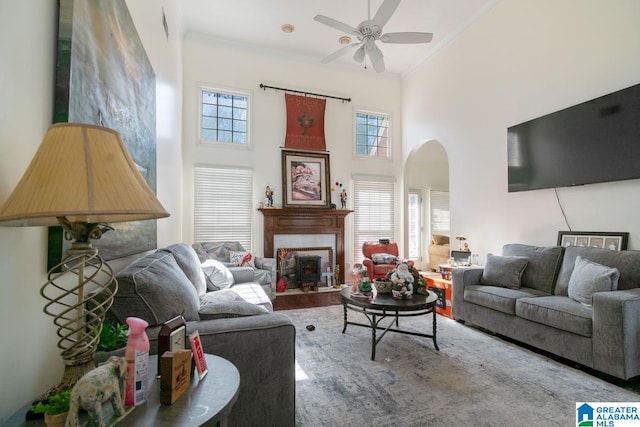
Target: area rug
[(476, 379)]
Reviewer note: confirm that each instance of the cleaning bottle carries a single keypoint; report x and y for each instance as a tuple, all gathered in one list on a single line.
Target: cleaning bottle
[(137, 355)]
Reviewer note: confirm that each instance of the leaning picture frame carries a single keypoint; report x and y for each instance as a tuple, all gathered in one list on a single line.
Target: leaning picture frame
[(305, 179), (616, 241)]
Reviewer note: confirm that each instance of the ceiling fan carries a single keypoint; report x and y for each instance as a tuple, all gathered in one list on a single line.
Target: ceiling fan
[(368, 32)]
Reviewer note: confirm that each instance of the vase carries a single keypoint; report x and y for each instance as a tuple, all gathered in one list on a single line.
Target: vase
[(57, 420)]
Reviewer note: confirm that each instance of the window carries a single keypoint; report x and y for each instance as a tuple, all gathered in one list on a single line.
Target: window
[(224, 117), (439, 212), (373, 216), (372, 135), (223, 205)]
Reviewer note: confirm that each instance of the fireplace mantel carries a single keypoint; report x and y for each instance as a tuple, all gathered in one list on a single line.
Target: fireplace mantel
[(305, 221)]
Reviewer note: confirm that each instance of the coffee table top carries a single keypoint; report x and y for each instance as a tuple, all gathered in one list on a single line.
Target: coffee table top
[(388, 302)]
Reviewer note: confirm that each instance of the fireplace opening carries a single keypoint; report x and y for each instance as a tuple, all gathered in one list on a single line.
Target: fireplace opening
[(306, 268), (308, 271)]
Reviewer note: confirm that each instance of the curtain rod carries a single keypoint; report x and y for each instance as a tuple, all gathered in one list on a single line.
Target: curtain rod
[(264, 87)]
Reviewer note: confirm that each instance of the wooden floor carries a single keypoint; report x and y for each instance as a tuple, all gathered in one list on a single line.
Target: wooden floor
[(294, 299)]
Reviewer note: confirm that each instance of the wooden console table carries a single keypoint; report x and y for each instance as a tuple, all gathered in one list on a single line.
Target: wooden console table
[(305, 221)]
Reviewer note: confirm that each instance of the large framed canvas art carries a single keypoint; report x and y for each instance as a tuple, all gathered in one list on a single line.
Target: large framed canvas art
[(103, 77)]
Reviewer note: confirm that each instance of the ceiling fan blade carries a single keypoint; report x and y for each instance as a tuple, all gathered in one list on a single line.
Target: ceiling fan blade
[(359, 55), (408, 37), (385, 11), (337, 54), (375, 54), (378, 65), (340, 26)]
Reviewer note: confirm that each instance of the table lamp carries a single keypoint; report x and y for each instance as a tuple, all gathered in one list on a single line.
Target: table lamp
[(81, 178)]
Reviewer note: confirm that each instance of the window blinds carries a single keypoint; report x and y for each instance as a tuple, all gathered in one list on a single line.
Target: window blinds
[(223, 208)]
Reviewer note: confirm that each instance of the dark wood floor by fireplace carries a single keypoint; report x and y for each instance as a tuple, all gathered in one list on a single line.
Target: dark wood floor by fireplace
[(306, 300)]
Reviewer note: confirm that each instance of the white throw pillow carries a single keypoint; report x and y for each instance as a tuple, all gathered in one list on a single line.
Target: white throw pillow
[(589, 277), (242, 259), (217, 275)]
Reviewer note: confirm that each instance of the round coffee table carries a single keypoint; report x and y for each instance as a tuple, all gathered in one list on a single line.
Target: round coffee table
[(383, 306)]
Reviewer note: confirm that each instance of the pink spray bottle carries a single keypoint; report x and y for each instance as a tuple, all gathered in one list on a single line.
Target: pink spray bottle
[(137, 356)]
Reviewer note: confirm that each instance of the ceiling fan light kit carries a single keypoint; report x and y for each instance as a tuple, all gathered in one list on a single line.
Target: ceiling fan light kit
[(370, 31)]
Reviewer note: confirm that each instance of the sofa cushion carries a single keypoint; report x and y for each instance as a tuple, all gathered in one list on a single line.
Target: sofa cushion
[(384, 258), (227, 303), (189, 262), (498, 298), (557, 311), (242, 258), (253, 293), (217, 275), (504, 271), (544, 264), (588, 278), (627, 263), (156, 289)]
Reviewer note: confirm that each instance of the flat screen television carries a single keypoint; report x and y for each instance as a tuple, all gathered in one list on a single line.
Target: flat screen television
[(596, 141)]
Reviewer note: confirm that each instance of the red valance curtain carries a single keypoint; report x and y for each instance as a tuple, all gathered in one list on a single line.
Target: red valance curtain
[(305, 123)]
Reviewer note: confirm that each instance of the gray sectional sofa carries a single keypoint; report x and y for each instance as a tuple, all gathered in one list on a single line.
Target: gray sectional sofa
[(233, 317), (580, 303)]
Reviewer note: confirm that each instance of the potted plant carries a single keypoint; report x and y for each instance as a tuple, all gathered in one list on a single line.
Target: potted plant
[(55, 408), (113, 340)]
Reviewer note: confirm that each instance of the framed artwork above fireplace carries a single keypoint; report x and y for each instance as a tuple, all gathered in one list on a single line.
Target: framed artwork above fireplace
[(305, 179)]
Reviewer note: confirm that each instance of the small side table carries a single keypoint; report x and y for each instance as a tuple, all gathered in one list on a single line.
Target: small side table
[(205, 402)]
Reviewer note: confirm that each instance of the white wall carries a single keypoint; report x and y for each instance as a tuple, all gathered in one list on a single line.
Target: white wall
[(522, 60), (31, 363), (211, 62)]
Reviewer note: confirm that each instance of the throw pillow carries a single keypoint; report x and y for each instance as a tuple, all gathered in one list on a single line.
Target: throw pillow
[(504, 271), (382, 258), (242, 258), (217, 275), (588, 278)]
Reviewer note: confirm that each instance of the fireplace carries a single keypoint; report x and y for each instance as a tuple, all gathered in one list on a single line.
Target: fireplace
[(308, 271), (311, 225)]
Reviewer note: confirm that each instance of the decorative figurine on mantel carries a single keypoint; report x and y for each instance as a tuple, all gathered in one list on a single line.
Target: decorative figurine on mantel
[(268, 197), (343, 198)]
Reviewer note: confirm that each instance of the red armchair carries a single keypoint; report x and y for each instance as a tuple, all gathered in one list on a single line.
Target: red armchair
[(380, 258)]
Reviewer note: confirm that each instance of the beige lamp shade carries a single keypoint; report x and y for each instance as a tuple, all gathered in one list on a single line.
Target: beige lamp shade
[(83, 173)]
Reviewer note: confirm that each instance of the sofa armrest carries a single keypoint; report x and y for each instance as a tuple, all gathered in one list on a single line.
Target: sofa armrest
[(268, 264), (262, 347), (616, 332), (368, 264), (461, 277)]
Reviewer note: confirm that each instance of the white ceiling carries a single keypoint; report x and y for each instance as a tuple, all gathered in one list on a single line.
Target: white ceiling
[(255, 24)]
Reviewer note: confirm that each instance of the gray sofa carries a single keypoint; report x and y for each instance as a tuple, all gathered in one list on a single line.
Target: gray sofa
[(263, 269), (541, 296), (235, 322)]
